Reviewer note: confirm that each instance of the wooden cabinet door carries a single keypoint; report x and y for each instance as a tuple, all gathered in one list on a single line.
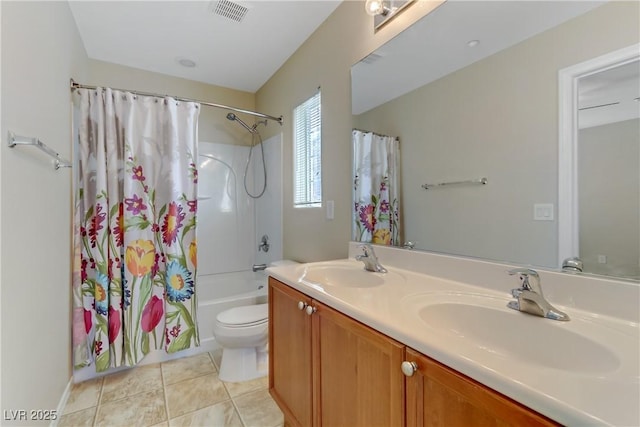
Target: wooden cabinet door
[(290, 366), (440, 396), (358, 380)]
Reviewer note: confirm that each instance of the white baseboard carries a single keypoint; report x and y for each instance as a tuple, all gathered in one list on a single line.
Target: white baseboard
[(62, 403)]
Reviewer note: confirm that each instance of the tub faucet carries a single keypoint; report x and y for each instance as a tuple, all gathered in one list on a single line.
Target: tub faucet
[(529, 298), (258, 267), (370, 259)]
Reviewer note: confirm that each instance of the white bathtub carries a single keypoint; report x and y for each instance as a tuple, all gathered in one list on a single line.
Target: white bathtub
[(219, 292)]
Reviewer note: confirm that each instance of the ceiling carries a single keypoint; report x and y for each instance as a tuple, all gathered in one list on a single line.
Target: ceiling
[(437, 44), (156, 35), (609, 96)]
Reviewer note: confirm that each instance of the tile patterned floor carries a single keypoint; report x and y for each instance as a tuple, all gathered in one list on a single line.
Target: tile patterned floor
[(182, 392)]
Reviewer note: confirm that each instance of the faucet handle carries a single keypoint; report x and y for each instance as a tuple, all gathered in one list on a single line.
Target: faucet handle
[(523, 271), (367, 249), (525, 274)]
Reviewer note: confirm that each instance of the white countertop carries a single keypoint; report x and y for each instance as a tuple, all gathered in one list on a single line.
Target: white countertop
[(570, 395)]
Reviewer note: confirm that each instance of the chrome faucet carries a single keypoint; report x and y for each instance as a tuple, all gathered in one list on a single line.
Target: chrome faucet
[(258, 267), (370, 259), (264, 244), (529, 298)]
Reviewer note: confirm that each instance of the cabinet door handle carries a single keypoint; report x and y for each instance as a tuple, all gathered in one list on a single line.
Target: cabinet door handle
[(302, 305), (311, 310), (409, 368)]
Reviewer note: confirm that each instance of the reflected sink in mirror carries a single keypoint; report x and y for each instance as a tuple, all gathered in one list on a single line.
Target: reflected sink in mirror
[(486, 324), (346, 275)]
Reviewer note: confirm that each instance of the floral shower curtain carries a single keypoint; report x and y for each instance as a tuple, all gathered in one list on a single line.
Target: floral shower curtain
[(376, 188), (134, 227)]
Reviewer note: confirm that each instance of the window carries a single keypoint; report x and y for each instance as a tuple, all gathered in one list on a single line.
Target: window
[(307, 148)]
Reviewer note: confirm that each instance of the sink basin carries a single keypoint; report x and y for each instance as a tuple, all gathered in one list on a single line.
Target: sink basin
[(349, 275), (484, 323)]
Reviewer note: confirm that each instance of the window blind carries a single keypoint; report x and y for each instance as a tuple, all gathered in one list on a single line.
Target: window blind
[(307, 134)]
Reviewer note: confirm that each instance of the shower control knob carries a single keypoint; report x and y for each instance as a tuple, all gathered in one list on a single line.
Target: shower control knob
[(311, 310), (302, 305), (409, 368)]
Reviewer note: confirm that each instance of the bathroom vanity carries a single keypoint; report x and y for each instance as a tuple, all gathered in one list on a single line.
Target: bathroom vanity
[(328, 369), (350, 347)]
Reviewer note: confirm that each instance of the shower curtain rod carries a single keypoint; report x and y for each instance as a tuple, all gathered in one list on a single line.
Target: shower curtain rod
[(75, 86), (378, 134)]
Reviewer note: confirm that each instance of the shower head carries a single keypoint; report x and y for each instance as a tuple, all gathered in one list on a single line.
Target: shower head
[(233, 117)]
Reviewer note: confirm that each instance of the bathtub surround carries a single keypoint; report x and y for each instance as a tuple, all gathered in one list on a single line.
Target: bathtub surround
[(268, 208), (235, 221), (135, 255), (226, 232)]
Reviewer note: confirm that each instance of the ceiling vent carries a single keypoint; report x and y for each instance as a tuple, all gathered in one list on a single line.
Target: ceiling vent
[(371, 58), (228, 9)]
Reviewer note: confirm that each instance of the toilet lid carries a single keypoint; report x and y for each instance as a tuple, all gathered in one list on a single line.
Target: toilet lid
[(247, 315)]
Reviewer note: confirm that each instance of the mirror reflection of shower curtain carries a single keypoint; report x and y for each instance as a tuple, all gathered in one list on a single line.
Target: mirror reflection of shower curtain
[(376, 189)]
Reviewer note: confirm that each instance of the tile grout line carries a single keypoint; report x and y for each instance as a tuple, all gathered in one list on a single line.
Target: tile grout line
[(164, 393), (235, 408), (215, 371), (101, 394), (99, 403), (231, 398)]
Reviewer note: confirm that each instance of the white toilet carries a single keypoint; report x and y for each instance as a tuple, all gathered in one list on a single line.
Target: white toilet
[(242, 332)]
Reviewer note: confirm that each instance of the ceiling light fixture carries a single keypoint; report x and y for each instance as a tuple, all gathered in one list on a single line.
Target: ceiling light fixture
[(384, 10), (376, 7), (186, 62), (473, 43)]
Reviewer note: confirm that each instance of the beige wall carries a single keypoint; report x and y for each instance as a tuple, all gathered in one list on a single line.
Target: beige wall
[(325, 60), (212, 124), (496, 118), (609, 191), (41, 50)]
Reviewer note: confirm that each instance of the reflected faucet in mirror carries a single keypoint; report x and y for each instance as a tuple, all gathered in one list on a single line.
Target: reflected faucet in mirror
[(572, 265)]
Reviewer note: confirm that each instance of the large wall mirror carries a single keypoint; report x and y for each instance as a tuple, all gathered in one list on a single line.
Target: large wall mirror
[(471, 90)]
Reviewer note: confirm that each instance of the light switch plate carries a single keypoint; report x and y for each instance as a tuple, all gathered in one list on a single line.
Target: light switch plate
[(330, 207), (543, 212)]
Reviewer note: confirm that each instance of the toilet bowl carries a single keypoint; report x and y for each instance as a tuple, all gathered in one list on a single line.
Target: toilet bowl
[(242, 332)]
